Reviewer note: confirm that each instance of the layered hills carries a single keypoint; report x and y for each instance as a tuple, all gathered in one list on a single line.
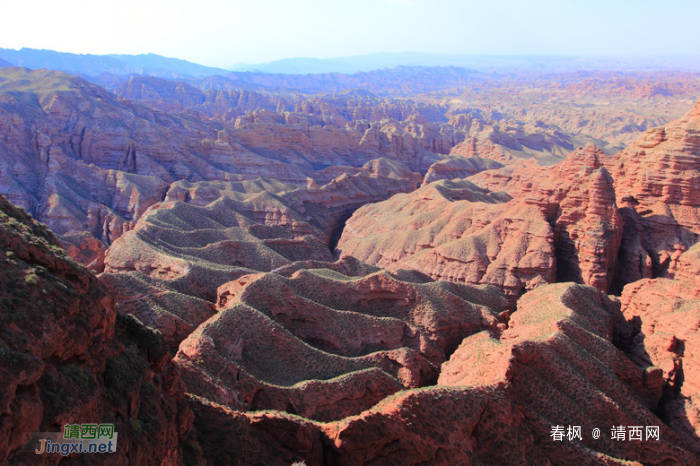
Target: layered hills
[(80, 158), (206, 234), (325, 345), (529, 229), (253, 277)]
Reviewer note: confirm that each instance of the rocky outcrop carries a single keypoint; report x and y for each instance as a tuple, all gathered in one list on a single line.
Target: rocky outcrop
[(665, 315), (272, 438), (577, 197), (688, 264), (497, 401), (458, 167), (657, 180), (66, 357), (175, 315), (208, 233), (477, 238), (513, 141), (455, 231), (85, 249), (166, 270), (588, 229), (81, 159)]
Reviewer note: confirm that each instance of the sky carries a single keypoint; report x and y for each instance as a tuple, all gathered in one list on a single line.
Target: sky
[(227, 32)]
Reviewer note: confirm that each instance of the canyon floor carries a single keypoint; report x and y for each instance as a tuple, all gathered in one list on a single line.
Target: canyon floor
[(417, 266)]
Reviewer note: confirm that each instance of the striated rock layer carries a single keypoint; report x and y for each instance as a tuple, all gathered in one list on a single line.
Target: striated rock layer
[(82, 159), (497, 399), (324, 345), (458, 167), (577, 197), (456, 231), (657, 182), (208, 233), (496, 402), (562, 224), (665, 316)]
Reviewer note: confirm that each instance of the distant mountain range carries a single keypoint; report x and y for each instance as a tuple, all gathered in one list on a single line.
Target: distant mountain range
[(95, 65), (108, 66), (359, 63), (376, 61)]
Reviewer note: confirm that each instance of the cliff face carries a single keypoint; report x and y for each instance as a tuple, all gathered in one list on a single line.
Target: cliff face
[(577, 197), (83, 159), (588, 226), (457, 231), (657, 181), (66, 357), (562, 224), (665, 314)]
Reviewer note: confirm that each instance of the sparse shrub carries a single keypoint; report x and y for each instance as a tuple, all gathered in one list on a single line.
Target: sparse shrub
[(31, 279), (123, 372), (136, 426), (77, 374)]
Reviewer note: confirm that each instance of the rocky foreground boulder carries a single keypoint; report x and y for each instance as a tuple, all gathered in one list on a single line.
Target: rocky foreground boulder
[(67, 357)]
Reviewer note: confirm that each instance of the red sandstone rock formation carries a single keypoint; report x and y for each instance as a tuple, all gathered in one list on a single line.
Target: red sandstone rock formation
[(458, 167), (555, 365), (86, 249), (175, 315), (495, 404), (208, 233), (324, 345), (657, 181), (70, 144), (456, 231), (434, 233), (81, 159), (666, 317), (337, 342), (67, 358), (578, 198), (689, 264)]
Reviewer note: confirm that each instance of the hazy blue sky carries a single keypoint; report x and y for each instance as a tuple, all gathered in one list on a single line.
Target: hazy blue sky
[(225, 32)]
